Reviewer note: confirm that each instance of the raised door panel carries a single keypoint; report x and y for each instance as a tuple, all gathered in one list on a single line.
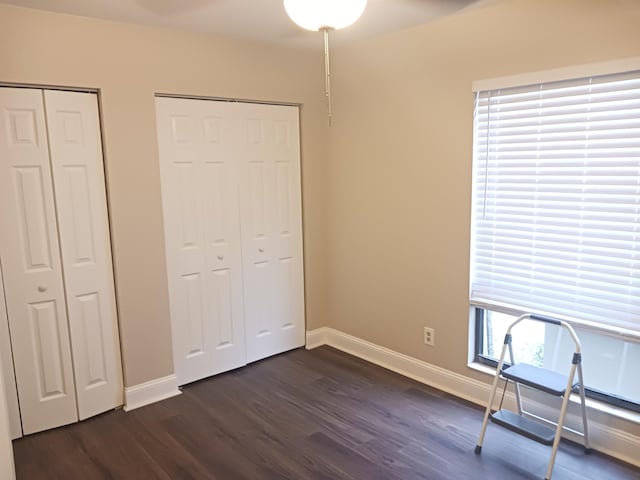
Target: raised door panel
[(201, 236), (31, 265), (78, 173), (272, 229)]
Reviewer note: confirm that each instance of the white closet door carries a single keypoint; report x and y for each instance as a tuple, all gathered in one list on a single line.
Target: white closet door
[(202, 235), (78, 175), (30, 258), (271, 218), (8, 374)]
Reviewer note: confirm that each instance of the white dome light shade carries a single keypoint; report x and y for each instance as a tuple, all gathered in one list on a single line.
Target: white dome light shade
[(316, 14)]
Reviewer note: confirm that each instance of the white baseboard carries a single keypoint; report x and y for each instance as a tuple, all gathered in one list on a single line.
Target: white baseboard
[(318, 337), (150, 392), (611, 441)]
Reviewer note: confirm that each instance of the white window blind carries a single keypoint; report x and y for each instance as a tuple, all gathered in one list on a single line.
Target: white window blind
[(556, 199)]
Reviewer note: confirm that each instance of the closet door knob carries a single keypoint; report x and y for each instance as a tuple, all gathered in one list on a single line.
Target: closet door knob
[(261, 250), (42, 288), (220, 257)]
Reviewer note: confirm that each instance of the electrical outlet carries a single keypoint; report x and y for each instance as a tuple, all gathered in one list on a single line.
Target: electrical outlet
[(429, 336)]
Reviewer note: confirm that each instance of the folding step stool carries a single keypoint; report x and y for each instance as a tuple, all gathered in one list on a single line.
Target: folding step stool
[(526, 423)]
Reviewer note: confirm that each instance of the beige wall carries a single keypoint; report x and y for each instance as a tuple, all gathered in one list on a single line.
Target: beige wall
[(401, 152), (129, 64)]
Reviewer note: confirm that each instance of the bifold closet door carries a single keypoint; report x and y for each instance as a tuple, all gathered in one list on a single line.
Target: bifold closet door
[(56, 258), (268, 157), (233, 227), (78, 175), (31, 265), (202, 236)]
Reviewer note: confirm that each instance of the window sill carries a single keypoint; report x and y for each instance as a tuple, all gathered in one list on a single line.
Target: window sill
[(591, 403)]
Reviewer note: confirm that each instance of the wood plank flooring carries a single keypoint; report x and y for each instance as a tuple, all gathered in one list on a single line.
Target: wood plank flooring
[(316, 414)]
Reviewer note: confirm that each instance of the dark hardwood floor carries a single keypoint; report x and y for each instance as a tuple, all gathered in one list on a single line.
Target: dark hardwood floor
[(316, 414)]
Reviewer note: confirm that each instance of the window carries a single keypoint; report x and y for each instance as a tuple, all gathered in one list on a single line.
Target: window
[(556, 221)]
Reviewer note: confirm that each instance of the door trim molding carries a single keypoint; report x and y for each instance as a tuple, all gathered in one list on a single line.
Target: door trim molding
[(44, 86), (226, 99), (8, 387), (609, 440), (150, 392), (7, 469)]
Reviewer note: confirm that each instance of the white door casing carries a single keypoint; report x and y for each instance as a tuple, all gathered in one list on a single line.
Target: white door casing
[(78, 174), (271, 219), (7, 470), (202, 236), (8, 374), (31, 259)]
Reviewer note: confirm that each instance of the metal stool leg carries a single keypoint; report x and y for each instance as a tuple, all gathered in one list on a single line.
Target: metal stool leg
[(583, 406), (492, 395)]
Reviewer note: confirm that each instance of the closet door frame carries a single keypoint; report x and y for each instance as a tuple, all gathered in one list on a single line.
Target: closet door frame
[(7, 368)]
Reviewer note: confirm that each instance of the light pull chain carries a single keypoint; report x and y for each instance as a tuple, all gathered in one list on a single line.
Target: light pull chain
[(327, 71)]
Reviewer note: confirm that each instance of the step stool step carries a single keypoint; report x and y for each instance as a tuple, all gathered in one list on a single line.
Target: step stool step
[(539, 378), (524, 426)]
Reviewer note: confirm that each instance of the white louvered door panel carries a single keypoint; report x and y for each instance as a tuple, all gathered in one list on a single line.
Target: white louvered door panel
[(30, 259), (271, 218), (202, 234), (78, 174)]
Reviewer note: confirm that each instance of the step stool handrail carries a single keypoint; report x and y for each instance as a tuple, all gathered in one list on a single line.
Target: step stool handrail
[(549, 320)]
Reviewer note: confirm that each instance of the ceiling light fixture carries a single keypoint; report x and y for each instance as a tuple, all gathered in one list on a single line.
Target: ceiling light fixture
[(325, 15)]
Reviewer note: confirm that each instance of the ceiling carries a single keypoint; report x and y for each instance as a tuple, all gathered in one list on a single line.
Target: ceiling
[(263, 21)]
